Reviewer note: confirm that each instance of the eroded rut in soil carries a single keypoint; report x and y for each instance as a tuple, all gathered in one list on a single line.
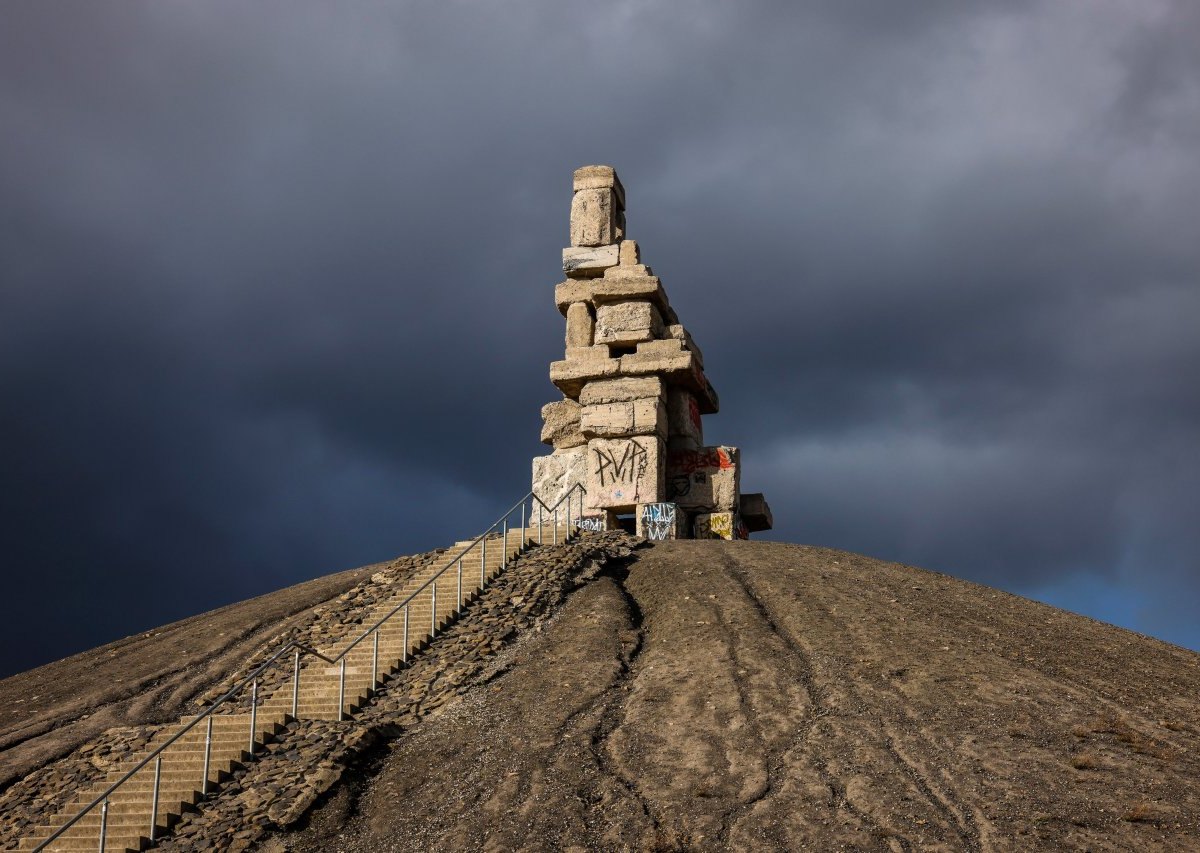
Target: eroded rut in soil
[(768, 697)]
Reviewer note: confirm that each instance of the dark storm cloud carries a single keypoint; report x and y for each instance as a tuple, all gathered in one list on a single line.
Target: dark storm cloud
[(276, 282)]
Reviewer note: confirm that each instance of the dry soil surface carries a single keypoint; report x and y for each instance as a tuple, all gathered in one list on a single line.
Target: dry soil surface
[(147, 678), (762, 696)]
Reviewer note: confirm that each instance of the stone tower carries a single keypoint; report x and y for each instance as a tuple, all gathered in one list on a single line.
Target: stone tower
[(629, 426)]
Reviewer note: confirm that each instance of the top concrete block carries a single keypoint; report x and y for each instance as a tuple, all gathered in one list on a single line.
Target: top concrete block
[(599, 178), (593, 218)]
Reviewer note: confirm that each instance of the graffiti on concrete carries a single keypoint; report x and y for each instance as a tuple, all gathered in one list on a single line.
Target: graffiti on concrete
[(720, 525), (591, 523), (688, 461), (628, 469), (703, 480), (658, 521)]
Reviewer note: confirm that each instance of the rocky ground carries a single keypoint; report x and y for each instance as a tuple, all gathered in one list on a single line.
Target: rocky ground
[(761, 696), (65, 725), (685, 695), (310, 757), (47, 712)]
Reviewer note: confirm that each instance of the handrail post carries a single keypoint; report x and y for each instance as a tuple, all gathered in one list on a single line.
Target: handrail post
[(342, 691), (375, 662), (207, 756), (523, 537), (556, 524), (154, 797), (253, 712), (504, 548), (296, 685), (539, 522), (483, 563), (459, 608), (404, 653), (433, 610), (103, 824)]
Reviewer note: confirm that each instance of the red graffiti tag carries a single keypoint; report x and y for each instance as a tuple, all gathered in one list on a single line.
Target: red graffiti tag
[(689, 461)]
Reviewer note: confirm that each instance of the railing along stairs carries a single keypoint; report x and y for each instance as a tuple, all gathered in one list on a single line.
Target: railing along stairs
[(145, 801)]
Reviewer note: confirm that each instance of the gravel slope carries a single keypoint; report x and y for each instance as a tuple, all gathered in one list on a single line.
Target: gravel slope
[(763, 696), (147, 678)]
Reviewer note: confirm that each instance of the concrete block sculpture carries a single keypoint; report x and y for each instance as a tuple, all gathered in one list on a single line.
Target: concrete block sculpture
[(629, 424)]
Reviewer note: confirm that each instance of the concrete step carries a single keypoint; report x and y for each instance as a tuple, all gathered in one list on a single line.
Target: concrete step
[(139, 819), (225, 723), (120, 843), (216, 775), (171, 760), (183, 761), (191, 739)]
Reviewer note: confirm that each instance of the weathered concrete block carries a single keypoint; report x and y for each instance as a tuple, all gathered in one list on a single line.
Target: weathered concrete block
[(599, 178), (685, 428), (603, 291), (621, 390), (592, 352), (755, 512), (555, 474), (635, 271), (718, 525), (707, 480), (623, 472), (631, 255), (560, 425), (679, 333), (570, 375), (594, 218), (627, 323), (678, 366), (619, 420), (585, 261), (661, 521), (580, 325), (667, 347)]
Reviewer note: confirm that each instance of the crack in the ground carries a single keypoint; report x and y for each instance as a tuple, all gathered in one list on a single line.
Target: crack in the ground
[(774, 762), (957, 815), (800, 662), (612, 714)]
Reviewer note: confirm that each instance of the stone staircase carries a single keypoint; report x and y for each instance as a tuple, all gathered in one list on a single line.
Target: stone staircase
[(182, 783)]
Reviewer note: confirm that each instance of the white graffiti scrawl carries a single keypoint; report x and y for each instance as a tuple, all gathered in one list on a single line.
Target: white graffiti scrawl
[(591, 523), (658, 521)]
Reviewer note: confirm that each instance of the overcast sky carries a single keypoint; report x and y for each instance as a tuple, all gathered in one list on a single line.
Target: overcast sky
[(276, 283)]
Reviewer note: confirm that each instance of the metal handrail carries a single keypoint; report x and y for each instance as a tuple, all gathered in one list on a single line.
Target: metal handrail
[(252, 678)]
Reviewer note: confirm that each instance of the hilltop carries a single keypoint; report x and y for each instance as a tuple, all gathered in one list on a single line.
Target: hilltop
[(704, 695), (768, 696)]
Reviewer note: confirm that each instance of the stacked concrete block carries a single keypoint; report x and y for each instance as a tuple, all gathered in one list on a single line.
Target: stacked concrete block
[(560, 425), (661, 521), (755, 513), (719, 525), (705, 480), (685, 427), (629, 426), (627, 323)]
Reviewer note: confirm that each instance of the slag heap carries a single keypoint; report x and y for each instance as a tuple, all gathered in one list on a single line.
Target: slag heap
[(630, 424)]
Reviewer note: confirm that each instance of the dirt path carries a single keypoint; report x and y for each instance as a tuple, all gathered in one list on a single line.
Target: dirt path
[(761, 696)]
